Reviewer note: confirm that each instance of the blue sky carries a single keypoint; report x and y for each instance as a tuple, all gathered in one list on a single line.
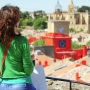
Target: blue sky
[(46, 5)]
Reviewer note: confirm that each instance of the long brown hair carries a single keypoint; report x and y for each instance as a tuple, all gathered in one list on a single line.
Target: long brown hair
[(9, 17)]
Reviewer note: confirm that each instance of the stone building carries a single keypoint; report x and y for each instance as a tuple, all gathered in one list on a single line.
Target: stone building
[(78, 20)]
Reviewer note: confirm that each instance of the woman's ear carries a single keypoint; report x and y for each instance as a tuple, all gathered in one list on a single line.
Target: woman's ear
[(15, 26)]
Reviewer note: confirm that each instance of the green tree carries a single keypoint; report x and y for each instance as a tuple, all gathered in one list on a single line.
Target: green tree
[(25, 19), (26, 22), (75, 45), (40, 23), (39, 13), (25, 15), (83, 9), (81, 30), (88, 43), (72, 30), (39, 42)]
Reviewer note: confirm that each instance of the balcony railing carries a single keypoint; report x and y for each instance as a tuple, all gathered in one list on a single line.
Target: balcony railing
[(70, 83)]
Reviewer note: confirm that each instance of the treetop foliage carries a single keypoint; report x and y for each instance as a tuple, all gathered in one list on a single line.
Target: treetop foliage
[(38, 22), (83, 9), (39, 42)]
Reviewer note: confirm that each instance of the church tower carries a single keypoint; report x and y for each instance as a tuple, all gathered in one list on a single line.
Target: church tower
[(71, 13), (71, 7)]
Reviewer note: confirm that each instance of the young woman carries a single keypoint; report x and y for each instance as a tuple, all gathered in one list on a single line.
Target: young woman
[(18, 64)]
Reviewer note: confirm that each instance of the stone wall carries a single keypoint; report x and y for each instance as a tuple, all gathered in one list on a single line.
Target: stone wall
[(47, 50)]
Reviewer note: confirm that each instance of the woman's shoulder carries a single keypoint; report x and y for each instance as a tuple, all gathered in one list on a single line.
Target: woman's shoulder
[(21, 38)]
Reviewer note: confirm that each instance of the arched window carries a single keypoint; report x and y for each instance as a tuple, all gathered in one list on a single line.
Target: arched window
[(83, 20), (77, 20)]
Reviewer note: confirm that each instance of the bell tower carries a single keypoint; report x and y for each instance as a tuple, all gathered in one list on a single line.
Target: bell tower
[(71, 7), (71, 13)]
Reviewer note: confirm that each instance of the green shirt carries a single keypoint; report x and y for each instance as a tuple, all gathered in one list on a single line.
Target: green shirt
[(18, 63)]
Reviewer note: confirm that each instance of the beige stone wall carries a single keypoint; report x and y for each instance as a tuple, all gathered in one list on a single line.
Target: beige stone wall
[(73, 19), (50, 26), (84, 27)]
